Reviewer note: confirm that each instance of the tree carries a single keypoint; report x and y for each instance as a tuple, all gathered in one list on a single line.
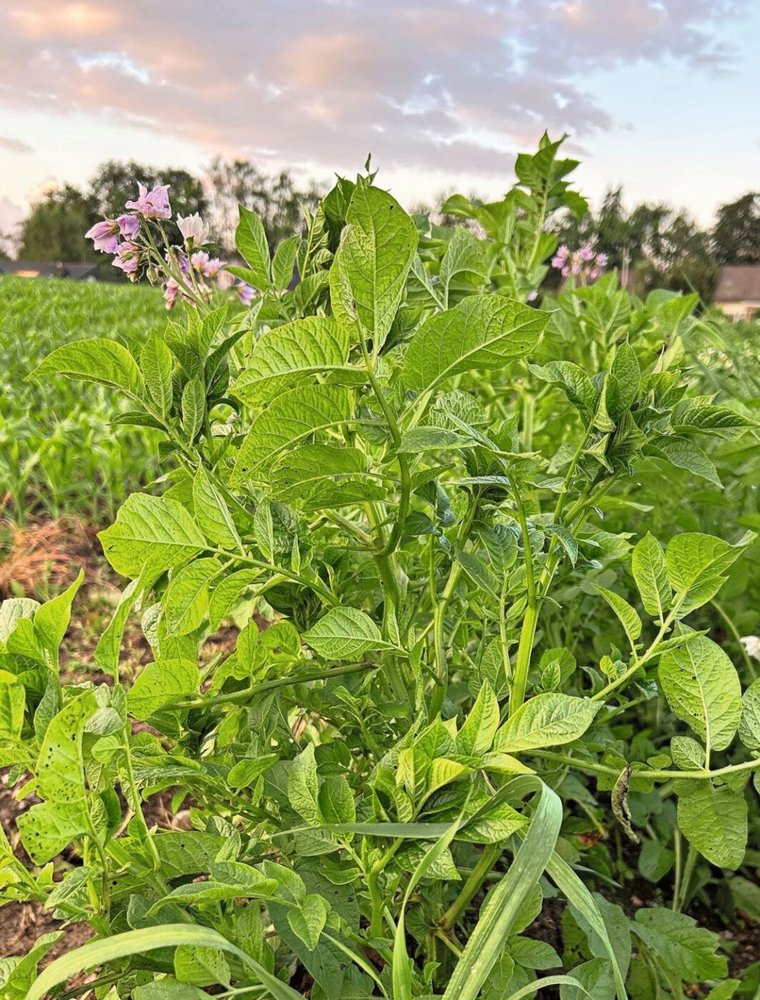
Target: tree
[(736, 233), (662, 246), (55, 228), (274, 198)]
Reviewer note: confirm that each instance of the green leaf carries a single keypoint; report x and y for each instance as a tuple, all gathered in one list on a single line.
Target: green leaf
[(336, 800), (12, 704), (368, 275), (284, 262), (296, 474), (650, 573), (193, 407), (290, 418), (626, 374), (687, 455), (421, 439), (749, 726), (344, 634), (251, 242), (303, 786), (574, 381), (185, 602), (683, 948), (288, 355), (627, 614), (695, 564), (51, 619), (309, 919), (546, 720), (714, 821), (98, 360), (202, 965), (212, 513), (156, 365), (483, 332), (477, 734), (160, 685), (466, 255), (703, 690), (47, 828), (119, 946), (593, 979), (154, 531)]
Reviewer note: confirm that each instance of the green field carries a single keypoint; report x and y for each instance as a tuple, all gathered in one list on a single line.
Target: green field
[(59, 451)]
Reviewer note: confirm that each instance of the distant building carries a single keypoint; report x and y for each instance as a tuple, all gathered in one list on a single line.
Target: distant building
[(738, 291), (48, 269)]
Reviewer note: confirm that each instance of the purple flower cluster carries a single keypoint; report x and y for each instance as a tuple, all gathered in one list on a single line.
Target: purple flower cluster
[(584, 263), (184, 271)]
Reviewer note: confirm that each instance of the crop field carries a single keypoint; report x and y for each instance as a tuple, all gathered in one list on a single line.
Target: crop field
[(414, 652), (59, 451)]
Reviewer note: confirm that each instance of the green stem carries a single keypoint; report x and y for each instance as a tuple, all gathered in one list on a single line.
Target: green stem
[(737, 638), (470, 889), (688, 872), (405, 490), (241, 697), (317, 586), (530, 618), (594, 768)]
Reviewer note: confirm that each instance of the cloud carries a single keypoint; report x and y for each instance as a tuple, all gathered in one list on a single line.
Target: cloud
[(455, 82), (12, 145)]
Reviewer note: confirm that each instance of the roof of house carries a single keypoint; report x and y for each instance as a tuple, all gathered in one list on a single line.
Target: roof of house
[(47, 269), (738, 283)]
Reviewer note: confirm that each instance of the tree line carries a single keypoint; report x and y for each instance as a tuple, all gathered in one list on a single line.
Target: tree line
[(654, 245)]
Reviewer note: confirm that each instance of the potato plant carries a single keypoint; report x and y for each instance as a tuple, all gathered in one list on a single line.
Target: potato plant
[(394, 474)]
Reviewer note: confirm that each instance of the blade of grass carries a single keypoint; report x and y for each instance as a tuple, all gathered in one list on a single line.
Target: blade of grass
[(573, 889), (401, 973), (134, 942), (504, 901)]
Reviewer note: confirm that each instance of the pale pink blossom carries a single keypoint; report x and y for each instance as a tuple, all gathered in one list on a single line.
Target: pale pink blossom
[(153, 204), (586, 252), (601, 260), (208, 266), (171, 293), (104, 235), (129, 225), (127, 258), (192, 228), (244, 293)]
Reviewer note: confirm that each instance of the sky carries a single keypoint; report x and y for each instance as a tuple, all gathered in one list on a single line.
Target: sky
[(660, 96)]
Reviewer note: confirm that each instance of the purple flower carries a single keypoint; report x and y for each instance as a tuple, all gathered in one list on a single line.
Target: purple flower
[(129, 225), (575, 267), (199, 259), (601, 260), (565, 271), (171, 293), (153, 204), (558, 262), (244, 293), (105, 235), (586, 252), (127, 258), (563, 252)]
